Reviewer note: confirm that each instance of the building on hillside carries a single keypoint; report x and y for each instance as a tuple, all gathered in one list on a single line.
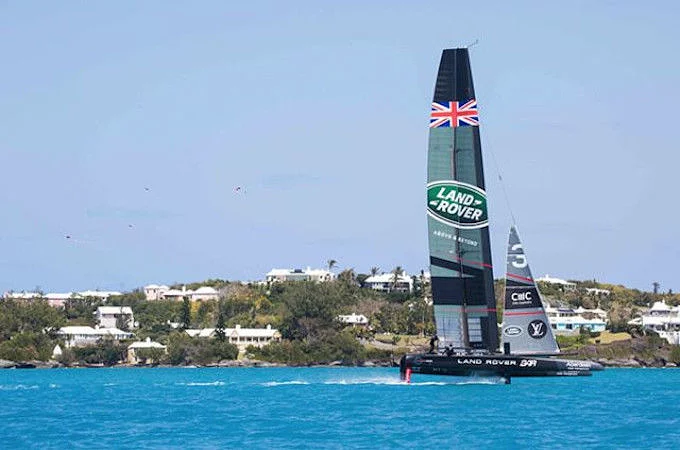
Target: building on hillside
[(567, 285), (177, 294), (386, 282), (108, 316), (355, 320), (58, 300), (204, 293), (135, 356), (598, 291), (80, 336), (155, 291), (162, 292), (588, 313), (242, 337), (53, 299), (308, 274), (662, 320), (101, 295), (22, 295), (568, 321)]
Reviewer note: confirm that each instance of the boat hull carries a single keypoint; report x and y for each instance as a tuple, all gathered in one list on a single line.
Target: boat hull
[(500, 365)]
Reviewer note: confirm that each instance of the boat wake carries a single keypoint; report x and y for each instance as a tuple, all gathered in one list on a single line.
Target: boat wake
[(283, 383), (391, 381), (17, 387), (213, 383)]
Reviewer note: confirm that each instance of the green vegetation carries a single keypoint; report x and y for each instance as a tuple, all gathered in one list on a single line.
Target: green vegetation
[(306, 315)]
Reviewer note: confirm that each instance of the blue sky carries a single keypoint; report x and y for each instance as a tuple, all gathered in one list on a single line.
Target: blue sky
[(128, 126)]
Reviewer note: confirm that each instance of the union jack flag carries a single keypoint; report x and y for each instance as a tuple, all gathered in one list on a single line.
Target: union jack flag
[(454, 115)]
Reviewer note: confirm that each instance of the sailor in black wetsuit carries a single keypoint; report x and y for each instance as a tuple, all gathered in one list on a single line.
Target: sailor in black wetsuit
[(434, 339)]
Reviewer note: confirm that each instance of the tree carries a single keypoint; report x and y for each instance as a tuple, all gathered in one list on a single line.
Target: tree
[(123, 322), (331, 263), (311, 308), (185, 318), (374, 270), (219, 328), (347, 276), (395, 277)]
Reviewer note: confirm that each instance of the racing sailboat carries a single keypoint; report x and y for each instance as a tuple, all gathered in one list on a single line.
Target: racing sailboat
[(460, 253)]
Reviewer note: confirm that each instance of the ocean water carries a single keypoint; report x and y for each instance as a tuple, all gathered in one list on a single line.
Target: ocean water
[(370, 408)]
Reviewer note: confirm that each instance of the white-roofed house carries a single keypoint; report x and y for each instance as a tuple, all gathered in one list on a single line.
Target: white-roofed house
[(58, 300), (79, 336), (23, 295), (567, 285), (308, 274), (155, 291), (102, 295), (177, 294), (662, 320), (568, 321), (385, 282), (109, 316), (356, 320), (145, 352), (241, 337), (204, 293)]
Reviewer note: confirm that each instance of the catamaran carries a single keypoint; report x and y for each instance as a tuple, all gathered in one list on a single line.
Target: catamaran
[(467, 339)]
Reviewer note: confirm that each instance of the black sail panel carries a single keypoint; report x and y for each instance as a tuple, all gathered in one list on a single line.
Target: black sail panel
[(460, 255)]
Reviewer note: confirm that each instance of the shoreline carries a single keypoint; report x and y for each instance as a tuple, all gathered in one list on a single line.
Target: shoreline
[(6, 364)]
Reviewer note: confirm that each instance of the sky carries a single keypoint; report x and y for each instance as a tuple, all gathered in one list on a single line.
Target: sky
[(126, 128)]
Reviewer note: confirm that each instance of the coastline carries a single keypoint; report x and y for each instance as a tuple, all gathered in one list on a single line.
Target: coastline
[(633, 362)]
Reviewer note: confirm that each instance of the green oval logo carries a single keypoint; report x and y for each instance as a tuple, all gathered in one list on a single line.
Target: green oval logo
[(458, 204)]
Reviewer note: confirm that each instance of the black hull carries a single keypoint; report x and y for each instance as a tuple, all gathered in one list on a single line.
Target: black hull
[(506, 366)]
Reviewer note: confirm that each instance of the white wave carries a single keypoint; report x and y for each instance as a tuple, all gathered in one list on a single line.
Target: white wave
[(54, 386), (17, 387), (283, 383), (109, 384), (374, 381), (213, 383), (398, 382), (482, 380)]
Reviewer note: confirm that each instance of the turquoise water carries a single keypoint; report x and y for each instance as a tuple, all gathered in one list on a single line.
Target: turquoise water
[(334, 408)]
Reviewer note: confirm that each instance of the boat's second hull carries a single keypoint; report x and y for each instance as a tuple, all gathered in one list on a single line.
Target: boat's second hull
[(506, 366)]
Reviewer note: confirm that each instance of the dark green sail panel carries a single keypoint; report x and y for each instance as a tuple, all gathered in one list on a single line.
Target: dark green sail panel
[(460, 255)]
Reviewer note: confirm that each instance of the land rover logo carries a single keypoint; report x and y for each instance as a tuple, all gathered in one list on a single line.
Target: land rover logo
[(513, 331), (537, 329), (457, 204)]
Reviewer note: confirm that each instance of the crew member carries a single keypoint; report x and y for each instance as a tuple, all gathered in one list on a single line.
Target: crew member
[(433, 341)]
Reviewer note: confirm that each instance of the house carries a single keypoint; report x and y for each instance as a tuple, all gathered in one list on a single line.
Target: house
[(662, 320), (176, 294), (155, 291), (567, 321), (308, 274), (80, 336), (204, 293), (101, 295), (109, 316), (58, 300), (136, 351), (22, 295), (386, 282), (567, 285), (598, 291), (356, 320), (242, 337)]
